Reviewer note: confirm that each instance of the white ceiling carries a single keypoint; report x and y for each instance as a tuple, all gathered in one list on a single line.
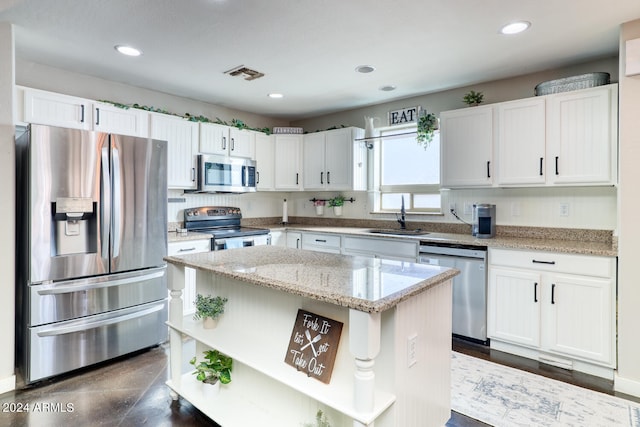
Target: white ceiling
[(308, 49)]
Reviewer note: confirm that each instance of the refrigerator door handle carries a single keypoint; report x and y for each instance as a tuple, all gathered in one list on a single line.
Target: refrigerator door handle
[(84, 325), (105, 203), (82, 286), (117, 202)]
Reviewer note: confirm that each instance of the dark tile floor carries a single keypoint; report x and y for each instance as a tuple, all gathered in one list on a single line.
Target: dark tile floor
[(130, 392)]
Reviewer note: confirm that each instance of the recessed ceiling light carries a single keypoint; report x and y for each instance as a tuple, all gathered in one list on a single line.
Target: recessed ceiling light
[(515, 27), (364, 69), (275, 95), (128, 50), (387, 88)]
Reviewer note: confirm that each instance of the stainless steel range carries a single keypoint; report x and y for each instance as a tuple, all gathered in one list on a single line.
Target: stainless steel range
[(223, 223)]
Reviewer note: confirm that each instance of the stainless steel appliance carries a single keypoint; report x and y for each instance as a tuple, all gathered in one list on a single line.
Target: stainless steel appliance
[(92, 234), (221, 174), (469, 287), (223, 223), (484, 221)]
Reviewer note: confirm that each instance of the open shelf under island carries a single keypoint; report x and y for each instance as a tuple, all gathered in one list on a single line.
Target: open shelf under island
[(392, 365)]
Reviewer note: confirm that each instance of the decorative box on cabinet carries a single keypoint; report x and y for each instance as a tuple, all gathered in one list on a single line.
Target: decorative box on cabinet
[(466, 141), (558, 308), (333, 160), (182, 138)]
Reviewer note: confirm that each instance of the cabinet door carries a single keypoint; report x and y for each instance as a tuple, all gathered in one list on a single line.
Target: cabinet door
[(583, 136), (294, 240), (189, 291), (242, 143), (315, 173), (287, 162), (339, 159), (513, 310), (265, 161), (578, 317), (112, 119), (214, 139), (466, 141), (521, 142), (47, 108), (182, 141)]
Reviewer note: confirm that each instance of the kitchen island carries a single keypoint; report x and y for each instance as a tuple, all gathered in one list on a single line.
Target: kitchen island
[(392, 365)]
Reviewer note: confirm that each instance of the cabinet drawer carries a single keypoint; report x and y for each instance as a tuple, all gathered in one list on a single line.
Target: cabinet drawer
[(189, 247), (381, 247), (584, 265), (320, 242)]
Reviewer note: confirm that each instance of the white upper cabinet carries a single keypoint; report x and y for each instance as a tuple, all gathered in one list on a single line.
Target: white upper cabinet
[(582, 136), (182, 141), (54, 109), (466, 141), (265, 162), (288, 160), (132, 121), (226, 140), (521, 142), (333, 160)]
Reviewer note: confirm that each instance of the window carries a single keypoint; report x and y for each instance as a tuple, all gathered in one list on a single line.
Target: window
[(407, 168)]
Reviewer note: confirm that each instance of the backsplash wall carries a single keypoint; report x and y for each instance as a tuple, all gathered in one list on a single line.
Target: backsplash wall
[(588, 207)]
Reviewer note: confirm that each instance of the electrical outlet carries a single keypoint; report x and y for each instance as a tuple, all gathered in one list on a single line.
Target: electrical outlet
[(467, 208), (412, 350), (564, 209)]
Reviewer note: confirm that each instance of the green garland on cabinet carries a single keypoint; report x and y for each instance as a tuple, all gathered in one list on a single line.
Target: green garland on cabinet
[(234, 122)]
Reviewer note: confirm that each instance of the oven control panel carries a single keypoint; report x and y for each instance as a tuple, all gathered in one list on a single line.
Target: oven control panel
[(212, 212)]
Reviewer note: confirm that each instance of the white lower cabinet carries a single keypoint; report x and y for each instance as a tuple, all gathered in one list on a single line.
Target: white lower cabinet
[(184, 248), (380, 248), (294, 240), (319, 242), (558, 308)]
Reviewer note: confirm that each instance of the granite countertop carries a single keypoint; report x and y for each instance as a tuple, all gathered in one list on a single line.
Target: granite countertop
[(363, 283), (538, 243), (191, 235)]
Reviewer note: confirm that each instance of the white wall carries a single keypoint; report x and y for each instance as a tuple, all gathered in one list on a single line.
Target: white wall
[(7, 195), (628, 378)]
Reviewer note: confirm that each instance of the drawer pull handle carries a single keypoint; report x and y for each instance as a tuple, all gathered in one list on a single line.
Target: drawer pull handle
[(535, 292), (553, 293), (541, 159), (321, 240), (187, 250), (488, 169), (535, 261)]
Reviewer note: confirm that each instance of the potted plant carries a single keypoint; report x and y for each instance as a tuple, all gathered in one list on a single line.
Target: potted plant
[(428, 123), (209, 308), (321, 420), (319, 204), (336, 203), (473, 98), (214, 370)]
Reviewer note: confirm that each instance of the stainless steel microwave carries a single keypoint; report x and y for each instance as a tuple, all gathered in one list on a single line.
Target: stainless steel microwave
[(221, 174)]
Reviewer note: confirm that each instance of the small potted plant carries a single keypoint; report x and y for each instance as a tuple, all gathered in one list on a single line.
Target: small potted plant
[(336, 203), (209, 308), (214, 370), (473, 98), (428, 123), (319, 204), (320, 421)]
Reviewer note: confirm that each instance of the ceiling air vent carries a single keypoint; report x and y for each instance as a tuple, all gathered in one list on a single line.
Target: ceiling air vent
[(245, 72)]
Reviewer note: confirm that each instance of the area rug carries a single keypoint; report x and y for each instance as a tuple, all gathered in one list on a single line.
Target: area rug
[(502, 396)]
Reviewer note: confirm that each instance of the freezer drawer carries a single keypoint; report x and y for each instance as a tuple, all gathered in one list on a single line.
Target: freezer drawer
[(71, 299), (65, 346)]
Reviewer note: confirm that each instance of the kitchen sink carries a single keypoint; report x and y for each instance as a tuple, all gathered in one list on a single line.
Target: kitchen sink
[(398, 231)]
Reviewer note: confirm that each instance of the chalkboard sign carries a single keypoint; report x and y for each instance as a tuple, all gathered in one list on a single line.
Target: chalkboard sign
[(313, 345)]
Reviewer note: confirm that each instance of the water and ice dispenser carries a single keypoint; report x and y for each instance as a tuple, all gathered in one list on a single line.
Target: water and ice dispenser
[(74, 226)]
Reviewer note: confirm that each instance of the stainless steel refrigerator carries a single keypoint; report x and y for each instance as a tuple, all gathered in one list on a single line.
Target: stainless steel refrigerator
[(92, 234)]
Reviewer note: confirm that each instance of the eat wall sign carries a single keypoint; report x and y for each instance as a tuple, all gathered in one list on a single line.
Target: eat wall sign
[(404, 116), (313, 345)]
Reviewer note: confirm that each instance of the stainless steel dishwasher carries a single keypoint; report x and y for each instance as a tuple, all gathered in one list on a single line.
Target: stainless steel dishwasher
[(469, 287)]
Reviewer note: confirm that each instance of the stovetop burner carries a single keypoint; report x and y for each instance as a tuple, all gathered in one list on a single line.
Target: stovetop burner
[(222, 222)]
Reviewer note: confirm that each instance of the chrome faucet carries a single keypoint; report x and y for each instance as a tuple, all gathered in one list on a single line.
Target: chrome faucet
[(401, 220)]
